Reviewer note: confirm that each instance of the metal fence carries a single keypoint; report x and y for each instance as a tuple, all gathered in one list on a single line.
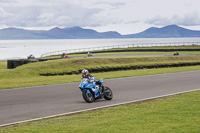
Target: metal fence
[(120, 46)]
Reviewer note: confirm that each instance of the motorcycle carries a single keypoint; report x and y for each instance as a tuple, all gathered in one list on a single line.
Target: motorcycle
[(90, 55), (94, 90)]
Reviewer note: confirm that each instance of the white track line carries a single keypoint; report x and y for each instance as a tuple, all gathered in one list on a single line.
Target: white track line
[(70, 113)]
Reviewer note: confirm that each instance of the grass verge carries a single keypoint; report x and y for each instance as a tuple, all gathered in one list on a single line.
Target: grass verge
[(74, 65), (174, 114), (3, 65), (28, 81), (29, 74)]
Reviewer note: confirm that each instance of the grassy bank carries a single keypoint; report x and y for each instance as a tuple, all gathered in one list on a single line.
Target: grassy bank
[(29, 74), (3, 65), (174, 114), (74, 65), (69, 65)]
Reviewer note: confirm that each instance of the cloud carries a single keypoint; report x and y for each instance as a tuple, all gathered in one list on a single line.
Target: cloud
[(99, 13), (7, 1), (61, 13), (189, 19), (112, 4), (41, 14)]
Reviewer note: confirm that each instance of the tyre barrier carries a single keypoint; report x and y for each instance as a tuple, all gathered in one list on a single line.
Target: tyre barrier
[(135, 67), (14, 63), (11, 64)]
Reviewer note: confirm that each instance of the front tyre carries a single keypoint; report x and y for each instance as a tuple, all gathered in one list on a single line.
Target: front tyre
[(108, 95), (88, 97)]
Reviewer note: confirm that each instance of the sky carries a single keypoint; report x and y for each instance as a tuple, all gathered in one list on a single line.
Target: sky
[(123, 16)]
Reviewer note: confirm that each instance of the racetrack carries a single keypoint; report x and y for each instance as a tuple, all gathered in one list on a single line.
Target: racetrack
[(23, 104), (103, 56)]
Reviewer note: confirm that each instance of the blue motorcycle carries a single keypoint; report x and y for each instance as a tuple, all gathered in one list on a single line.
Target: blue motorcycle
[(94, 90)]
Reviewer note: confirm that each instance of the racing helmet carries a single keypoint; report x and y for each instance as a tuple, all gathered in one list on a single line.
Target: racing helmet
[(85, 73)]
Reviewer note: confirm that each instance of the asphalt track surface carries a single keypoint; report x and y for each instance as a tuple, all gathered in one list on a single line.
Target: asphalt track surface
[(98, 56), (32, 103)]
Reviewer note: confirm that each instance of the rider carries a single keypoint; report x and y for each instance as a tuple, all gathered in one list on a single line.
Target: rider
[(85, 74), (91, 78)]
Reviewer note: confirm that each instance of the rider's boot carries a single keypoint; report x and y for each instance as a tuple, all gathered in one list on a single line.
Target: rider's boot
[(101, 91)]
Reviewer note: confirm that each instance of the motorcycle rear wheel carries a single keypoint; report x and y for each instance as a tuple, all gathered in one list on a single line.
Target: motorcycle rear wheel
[(108, 95), (88, 97)]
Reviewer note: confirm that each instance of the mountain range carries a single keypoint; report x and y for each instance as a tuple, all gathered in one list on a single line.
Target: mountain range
[(170, 31)]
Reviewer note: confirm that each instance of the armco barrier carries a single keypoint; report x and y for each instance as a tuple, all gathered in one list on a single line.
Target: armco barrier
[(140, 50), (120, 46)]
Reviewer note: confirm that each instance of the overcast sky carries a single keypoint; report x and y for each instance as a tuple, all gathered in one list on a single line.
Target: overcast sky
[(123, 16)]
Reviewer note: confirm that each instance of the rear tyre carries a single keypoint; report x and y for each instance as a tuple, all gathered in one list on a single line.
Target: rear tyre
[(88, 97), (108, 95)]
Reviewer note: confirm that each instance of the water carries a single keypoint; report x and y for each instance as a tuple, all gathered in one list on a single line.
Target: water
[(22, 48)]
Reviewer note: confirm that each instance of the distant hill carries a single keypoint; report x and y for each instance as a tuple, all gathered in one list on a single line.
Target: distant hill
[(165, 32), (56, 33), (81, 33)]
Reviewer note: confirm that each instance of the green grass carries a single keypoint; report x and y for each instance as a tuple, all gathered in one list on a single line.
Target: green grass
[(174, 114), (3, 65), (70, 65), (29, 74), (25, 81)]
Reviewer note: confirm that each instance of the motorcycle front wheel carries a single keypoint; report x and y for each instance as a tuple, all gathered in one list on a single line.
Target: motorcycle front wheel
[(108, 95), (88, 97)]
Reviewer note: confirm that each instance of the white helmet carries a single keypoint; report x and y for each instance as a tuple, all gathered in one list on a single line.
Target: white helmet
[(85, 73)]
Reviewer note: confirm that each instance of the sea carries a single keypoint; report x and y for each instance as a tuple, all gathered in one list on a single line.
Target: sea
[(17, 49)]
